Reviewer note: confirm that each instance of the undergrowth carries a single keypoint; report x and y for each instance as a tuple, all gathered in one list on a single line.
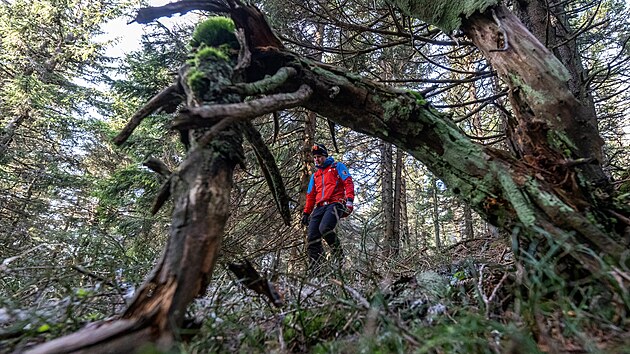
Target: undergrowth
[(470, 298), (462, 304)]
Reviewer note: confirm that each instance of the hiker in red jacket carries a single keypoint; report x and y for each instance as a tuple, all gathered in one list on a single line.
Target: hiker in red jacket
[(329, 197)]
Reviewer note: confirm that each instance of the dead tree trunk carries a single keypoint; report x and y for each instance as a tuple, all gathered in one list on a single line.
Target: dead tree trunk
[(549, 23), (468, 232)]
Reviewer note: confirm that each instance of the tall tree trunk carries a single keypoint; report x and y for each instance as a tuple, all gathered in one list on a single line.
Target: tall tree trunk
[(387, 198), (556, 128), (395, 241), (548, 22), (436, 213), (404, 216), (469, 232)]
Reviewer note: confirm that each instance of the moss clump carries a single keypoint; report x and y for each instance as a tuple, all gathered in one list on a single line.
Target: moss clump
[(209, 53), (418, 97), (197, 82), (214, 32)]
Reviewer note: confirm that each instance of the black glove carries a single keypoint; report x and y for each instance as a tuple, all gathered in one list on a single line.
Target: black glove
[(305, 219)]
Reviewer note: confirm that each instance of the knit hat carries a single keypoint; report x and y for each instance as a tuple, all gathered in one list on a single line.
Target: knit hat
[(319, 149)]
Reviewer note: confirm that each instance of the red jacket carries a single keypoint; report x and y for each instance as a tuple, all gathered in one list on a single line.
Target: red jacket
[(330, 183)]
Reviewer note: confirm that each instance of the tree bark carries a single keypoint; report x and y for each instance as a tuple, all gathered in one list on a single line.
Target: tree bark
[(387, 199), (398, 202), (404, 216), (436, 213), (552, 125), (549, 24), (469, 232), (202, 187)]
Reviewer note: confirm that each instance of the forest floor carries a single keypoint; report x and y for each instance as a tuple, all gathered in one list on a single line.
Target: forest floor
[(464, 299), (461, 300)]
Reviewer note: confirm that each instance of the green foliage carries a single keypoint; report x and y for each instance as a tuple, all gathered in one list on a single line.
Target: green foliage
[(306, 327), (470, 333), (126, 186), (215, 32), (146, 71), (82, 202)]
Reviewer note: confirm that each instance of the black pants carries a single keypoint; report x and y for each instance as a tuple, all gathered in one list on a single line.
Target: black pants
[(324, 219)]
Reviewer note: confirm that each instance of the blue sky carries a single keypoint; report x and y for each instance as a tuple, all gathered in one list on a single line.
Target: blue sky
[(126, 36)]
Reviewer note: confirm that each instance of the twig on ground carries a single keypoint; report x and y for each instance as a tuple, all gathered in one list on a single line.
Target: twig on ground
[(362, 300)]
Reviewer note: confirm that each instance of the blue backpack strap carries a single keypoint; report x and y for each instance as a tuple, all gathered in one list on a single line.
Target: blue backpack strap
[(343, 173)]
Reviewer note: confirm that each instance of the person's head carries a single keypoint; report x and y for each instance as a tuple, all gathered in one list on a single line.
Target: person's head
[(320, 153)]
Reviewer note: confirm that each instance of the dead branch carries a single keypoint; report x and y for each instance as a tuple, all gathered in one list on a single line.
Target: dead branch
[(158, 166), (238, 112), (362, 300), (226, 114), (248, 276), (163, 195), (168, 96), (148, 14), (270, 170), (266, 85)]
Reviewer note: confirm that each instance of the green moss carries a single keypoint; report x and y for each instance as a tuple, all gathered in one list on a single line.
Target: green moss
[(197, 82), (517, 199), (418, 97), (214, 32), (394, 108), (560, 141), (445, 14), (209, 53), (535, 96)]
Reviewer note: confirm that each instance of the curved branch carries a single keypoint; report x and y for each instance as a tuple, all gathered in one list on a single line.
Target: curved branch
[(169, 96), (270, 170), (267, 84), (222, 115), (158, 166), (238, 112), (148, 14)]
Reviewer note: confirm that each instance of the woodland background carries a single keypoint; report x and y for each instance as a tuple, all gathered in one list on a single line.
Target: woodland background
[(423, 271)]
